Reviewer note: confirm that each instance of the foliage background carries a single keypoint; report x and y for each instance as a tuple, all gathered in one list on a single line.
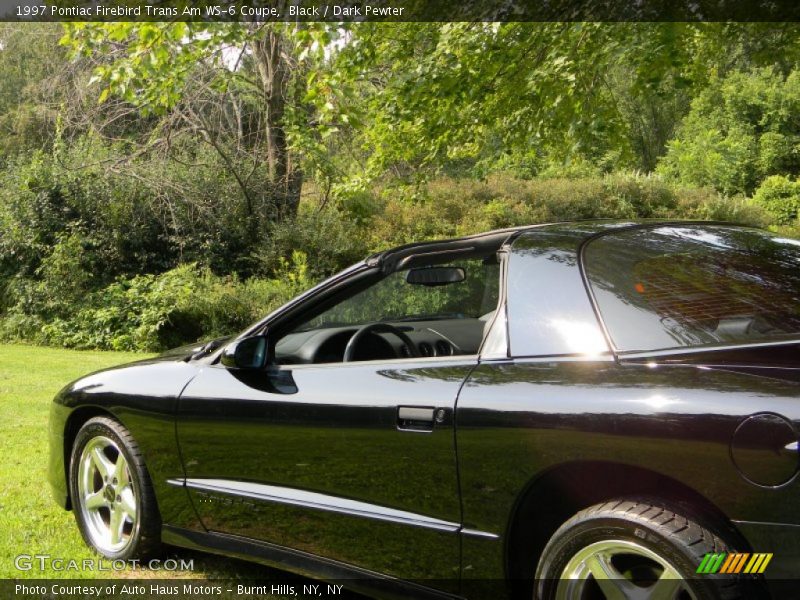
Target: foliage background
[(164, 183)]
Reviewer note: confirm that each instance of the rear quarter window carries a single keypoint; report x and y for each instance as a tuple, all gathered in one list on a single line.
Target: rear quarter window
[(689, 285)]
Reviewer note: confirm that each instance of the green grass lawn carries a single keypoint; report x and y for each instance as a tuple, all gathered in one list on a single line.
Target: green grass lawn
[(30, 521)]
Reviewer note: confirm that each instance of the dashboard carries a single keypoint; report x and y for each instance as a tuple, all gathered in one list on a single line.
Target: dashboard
[(441, 337)]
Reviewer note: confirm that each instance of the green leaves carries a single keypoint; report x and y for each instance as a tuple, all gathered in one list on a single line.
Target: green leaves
[(435, 93), (441, 90), (741, 129), (149, 64), (780, 195)]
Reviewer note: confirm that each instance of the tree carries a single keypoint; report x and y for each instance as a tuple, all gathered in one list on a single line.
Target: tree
[(609, 93), (35, 81), (364, 101), (741, 129), (243, 87)]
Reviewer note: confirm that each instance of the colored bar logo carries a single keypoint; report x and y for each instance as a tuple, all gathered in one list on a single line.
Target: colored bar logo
[(724, 562)]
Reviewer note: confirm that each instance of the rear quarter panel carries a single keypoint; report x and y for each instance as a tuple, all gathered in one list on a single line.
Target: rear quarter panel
[(518, 420)]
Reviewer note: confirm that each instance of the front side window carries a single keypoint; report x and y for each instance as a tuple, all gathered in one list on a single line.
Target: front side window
[(689, 285), (432, 310)]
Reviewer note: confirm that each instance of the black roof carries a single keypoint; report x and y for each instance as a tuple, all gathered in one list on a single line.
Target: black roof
[(489, 241)]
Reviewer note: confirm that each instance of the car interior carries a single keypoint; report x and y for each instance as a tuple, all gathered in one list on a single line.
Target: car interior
[(437, 309), (719, 300)]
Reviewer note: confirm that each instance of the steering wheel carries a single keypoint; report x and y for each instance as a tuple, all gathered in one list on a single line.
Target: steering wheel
[(365, 330)]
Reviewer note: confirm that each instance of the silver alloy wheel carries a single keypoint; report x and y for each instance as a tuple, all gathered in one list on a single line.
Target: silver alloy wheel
[(620, 570), (107, 495)]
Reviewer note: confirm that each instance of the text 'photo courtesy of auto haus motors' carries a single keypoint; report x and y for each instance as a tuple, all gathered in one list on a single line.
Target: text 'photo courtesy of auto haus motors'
[(582, 410)]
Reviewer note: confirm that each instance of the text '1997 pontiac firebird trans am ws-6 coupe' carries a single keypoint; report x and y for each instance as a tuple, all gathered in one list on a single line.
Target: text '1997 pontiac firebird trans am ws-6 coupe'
[(565, 411)]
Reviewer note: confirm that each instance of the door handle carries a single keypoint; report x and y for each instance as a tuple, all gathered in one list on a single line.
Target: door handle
[(415, 418)]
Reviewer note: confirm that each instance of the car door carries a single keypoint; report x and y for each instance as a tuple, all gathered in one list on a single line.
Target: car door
[(354, 461)]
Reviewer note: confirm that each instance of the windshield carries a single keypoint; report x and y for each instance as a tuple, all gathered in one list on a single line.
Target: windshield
[(395, 299)]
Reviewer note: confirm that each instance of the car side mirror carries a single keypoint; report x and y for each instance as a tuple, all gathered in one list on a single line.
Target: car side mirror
[(247, 353)]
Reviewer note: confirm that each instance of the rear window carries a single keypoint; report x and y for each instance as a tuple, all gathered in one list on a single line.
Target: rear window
[(687, 285)]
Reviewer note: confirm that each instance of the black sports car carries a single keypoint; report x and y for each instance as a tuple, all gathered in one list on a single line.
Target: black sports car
[(585, 410)]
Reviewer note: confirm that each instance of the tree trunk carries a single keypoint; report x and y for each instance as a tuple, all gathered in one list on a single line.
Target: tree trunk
[(271, 54)]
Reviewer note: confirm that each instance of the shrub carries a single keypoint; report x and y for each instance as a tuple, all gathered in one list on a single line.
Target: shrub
[(61, 300), (147, 215), (781, 197), (575, 169), (60, 283), (741, 129), (447, 207), (155, 312), (331, 236), (41, 201), (224, 305), (129, 314)]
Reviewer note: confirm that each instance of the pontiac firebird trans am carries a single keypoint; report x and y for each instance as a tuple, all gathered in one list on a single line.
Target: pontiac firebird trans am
[(581, 410)]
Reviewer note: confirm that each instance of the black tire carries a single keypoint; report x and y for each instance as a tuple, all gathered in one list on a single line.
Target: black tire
[(140, 536), (678, 541)]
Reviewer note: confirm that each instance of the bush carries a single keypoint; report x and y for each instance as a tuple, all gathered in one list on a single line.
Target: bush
[(224, 305), (60, 283), (781, 197), (61, 300), (155, 312), (332, 237), (129, 314), (41, 201), (148, 215), (741, 129), (447, 207)]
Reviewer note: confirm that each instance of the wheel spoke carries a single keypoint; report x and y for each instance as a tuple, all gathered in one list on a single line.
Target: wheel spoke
[(667, 586), (95, 501), (622, 569), (128, 503), (105, 466), (121, 471), (611, 582), (116, 524)]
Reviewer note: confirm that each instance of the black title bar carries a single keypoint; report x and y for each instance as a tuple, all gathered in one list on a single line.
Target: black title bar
[(402, 10)]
